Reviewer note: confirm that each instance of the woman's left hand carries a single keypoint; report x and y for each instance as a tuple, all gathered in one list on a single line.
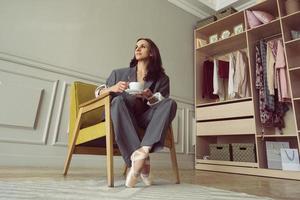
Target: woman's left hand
[(147, 93)]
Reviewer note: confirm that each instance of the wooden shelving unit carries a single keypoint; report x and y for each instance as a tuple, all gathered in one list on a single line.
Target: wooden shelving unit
[(237, 120)]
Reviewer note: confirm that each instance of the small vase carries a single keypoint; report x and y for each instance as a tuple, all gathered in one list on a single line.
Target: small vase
[(292, 6)]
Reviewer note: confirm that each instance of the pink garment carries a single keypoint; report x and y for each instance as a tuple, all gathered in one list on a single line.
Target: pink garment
[(281, 76), (252, 20)]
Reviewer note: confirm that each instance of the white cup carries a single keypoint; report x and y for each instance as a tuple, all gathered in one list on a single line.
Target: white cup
[(136, 86)]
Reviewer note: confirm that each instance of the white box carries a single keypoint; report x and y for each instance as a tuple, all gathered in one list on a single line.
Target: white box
[(290, 159), (274, 153)]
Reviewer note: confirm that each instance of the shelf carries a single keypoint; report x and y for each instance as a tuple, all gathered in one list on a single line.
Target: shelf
[(297, 110), (220, 25), (294, 69), (275, 136), (224, 102), (265, 30), (292, 53), (290, 22), (296, 99), (294, 175), (292, 15), (224, 46), (295, 81), (231, 163), (268, 6), (293, 42), (225, 134)]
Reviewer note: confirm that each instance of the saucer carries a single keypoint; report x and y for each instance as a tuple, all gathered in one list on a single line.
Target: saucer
[(131, 91)]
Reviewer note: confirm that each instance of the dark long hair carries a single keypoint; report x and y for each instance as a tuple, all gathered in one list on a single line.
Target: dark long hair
[(154, 68)]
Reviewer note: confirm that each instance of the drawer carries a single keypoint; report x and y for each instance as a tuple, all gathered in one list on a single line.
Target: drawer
[(229, 110), (226, 127)]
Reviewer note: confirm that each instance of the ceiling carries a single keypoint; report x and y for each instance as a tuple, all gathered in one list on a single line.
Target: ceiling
[(205, 8)]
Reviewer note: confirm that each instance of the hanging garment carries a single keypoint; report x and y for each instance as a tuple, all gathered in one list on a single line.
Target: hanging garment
[(269, 99), (218, 82), (223, 69), (240, 81), (268, 117), (270, 67), (207, 80), (281, 77), (232, 63), (216, 77), (273, 45)]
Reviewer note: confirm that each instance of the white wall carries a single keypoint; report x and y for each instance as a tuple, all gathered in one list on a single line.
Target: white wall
[(96, 36), (47, 44)]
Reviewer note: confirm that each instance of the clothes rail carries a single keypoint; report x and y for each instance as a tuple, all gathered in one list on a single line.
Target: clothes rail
[(271, 37)]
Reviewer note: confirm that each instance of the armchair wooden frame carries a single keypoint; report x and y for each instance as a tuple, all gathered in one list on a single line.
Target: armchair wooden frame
[(104, 101)]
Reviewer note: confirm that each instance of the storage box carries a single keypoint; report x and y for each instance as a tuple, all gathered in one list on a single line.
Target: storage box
[(243, 152), (206, 21), (219, 152), (225, 12)]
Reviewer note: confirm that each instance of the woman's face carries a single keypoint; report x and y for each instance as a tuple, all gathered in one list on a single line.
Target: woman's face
[(142, 50)]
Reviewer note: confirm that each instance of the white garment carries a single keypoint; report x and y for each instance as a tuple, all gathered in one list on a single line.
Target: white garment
[(232, 63), (270, 70), (217, 82), (241, 85), (99, 88), (215, 77)]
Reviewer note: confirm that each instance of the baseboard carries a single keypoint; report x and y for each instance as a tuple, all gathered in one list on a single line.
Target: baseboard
[(158, 160)]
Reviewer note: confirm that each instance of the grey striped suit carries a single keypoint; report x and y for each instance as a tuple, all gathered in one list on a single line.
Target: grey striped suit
[(128, 113)]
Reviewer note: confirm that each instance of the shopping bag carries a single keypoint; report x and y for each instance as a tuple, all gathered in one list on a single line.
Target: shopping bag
[(274, 155), (290, 159)]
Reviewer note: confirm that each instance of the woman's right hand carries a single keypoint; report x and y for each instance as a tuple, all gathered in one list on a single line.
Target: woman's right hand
[(119, 87)]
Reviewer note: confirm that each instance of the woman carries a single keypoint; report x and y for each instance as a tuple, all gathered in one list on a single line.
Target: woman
[(132, 111)]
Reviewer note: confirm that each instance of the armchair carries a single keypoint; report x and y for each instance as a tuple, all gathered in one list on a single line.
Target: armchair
[(89, 134)]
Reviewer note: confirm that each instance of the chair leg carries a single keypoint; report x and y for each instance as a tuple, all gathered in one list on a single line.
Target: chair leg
[(174, 158), (174, 164), (109, 147), (125, 170), (72, 145), (109, 163)]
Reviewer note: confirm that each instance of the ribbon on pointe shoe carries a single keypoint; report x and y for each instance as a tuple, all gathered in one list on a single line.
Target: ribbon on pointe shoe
[(145, 176), (134, 172)]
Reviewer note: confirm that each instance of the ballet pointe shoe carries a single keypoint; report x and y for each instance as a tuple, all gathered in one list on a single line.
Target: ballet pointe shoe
[(145, 174), (137, 162)]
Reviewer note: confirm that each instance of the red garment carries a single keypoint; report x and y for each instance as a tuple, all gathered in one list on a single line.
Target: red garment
[(223, 69), (207, 80)]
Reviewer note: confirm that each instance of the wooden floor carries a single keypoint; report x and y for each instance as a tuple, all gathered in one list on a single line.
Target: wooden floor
[(260, 186)]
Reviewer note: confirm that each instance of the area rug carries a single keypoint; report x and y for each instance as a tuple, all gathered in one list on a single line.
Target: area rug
[(64, 189)]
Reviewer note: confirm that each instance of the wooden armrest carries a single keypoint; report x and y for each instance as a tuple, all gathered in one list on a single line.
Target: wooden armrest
[(102, 96)]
